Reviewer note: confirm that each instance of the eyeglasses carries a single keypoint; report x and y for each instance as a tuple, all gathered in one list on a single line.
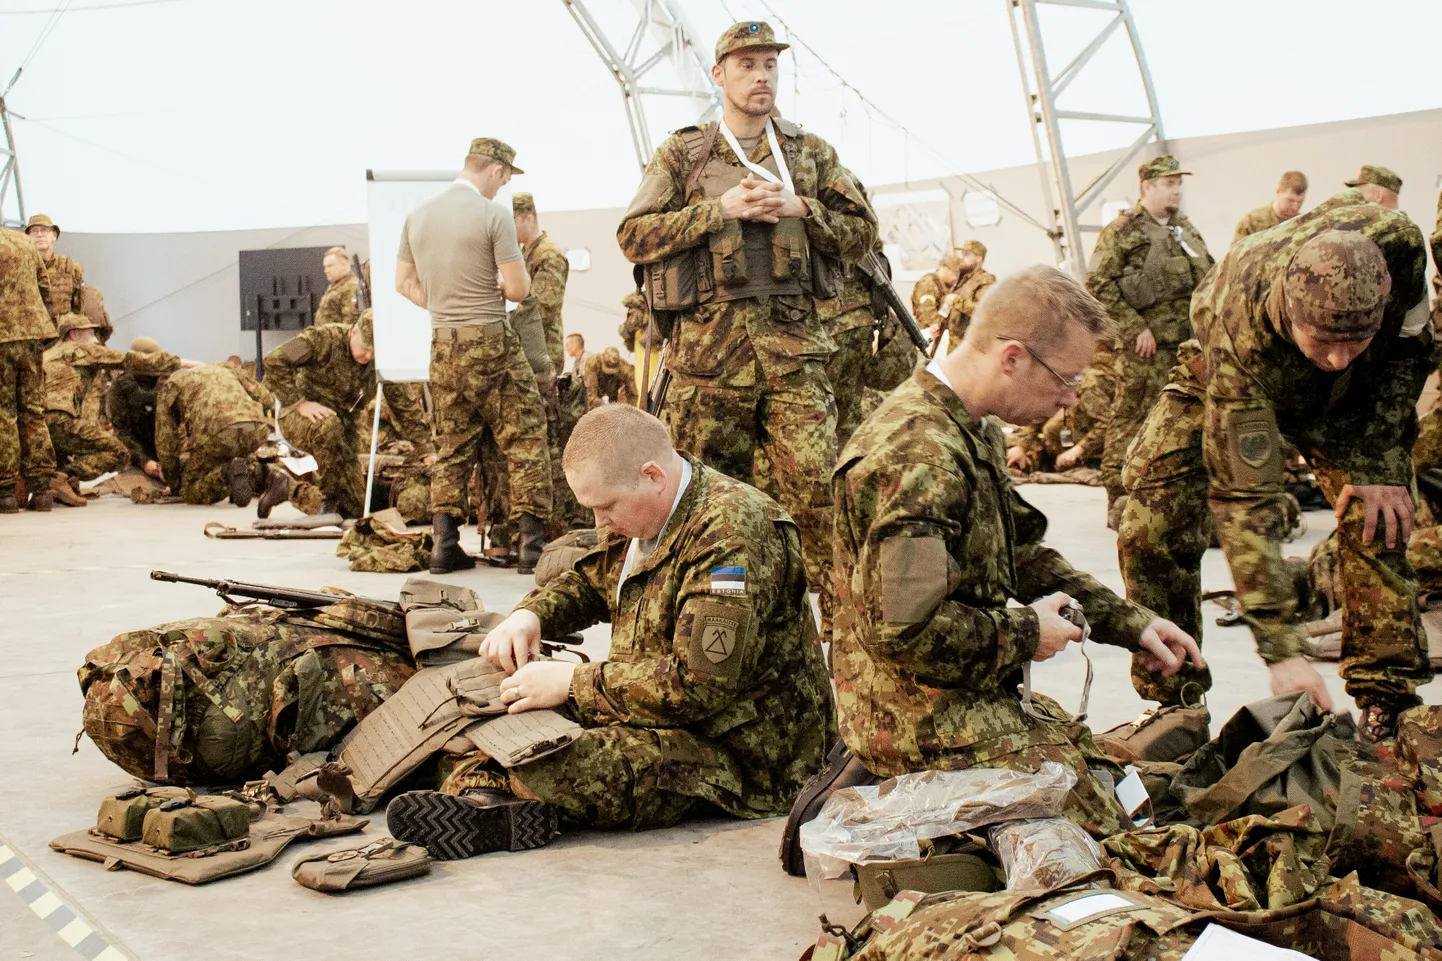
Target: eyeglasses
[(1070, 383)]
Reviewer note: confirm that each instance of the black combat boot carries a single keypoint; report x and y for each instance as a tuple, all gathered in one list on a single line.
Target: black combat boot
[(532, 532), (446, 553), (478, 822), (237, 479), (8, 503), (277, 491), (41, 500)]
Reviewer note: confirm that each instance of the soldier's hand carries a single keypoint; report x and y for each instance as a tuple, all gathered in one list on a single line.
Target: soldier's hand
[(1068, 458), (1392, 503), (513, 642), (152, 469), (1166, 647), (791, 205), (550, 394), (1017, 459), (1146, 343), (1297, 674), (538, 685), (1056, 631), (753, 199), (313, 412)]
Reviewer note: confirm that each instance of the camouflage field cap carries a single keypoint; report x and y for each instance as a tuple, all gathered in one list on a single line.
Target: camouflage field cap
[(496, 150), (750, 33), (151, 363), (974, 247), (65, 323), (1381, 176), (41, 220), (365, 323), (1337, 284), (951, 261), (610, 361), (145, 345), (522, 203), (1164, 166)]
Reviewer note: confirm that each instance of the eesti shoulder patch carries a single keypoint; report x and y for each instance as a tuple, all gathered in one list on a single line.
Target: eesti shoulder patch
[(720, 632), (728, 580)]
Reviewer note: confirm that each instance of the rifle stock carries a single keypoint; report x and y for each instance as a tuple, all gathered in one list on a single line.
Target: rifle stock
[(871, 265)]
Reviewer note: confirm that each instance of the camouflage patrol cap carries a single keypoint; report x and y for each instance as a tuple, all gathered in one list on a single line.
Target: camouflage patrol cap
[(745, 35), (522, 203), (1164, 166), (365, 323), (610, 361), (974, 247), (1381, 176), (145, 345), (41, 220), (1337, 284), (143, 363), (496, 150), (65, 323), (951, 261)]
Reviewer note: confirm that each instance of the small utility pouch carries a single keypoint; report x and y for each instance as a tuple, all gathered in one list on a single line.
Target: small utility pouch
[(380, 862), (425, 592), (440, 636), (965, 869), (122, 816), (195, 824)]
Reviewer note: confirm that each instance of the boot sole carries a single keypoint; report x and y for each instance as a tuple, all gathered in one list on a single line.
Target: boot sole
[(468, 564), (452, 828), (238, 482)]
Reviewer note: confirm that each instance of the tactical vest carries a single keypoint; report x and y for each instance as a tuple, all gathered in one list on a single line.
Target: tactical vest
[(60, 274), (1169, 272), (745, 258)]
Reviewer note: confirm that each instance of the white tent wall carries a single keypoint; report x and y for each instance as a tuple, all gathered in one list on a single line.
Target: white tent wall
[(183, 289)]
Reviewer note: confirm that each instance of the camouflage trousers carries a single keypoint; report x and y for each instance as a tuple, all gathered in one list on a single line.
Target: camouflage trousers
[(1384, 649), (84, 449), (24, 437), (200, 475), (334, 442), (1165, 529), (479, 379), (610, 777), (1139, 383), (844, 370), (1427, 451), (566, 513), (796, 429)]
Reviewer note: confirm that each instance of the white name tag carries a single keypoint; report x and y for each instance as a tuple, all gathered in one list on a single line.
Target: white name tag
[(300, 465)]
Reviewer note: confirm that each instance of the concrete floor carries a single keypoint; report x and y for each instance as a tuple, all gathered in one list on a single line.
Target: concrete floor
[(72, 579)]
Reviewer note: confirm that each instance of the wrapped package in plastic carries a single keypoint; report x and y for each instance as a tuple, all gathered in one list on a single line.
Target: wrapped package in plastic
[(884, 822), (1045, 853)]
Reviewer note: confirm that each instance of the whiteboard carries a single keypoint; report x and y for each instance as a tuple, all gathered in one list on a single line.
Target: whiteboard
[(402, 330)]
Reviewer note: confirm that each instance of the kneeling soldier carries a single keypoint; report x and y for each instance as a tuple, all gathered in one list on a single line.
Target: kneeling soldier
[(714, 695)]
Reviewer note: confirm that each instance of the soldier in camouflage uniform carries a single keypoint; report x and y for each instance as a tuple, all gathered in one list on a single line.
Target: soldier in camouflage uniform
[(338, 304), (84, 449), (932, 541), (609, 379), (1314, 333), (1073, 436), (747, 353), (25, 326), (1144, 267), (931, 290), (324, 376), (851, 317), (639, 334), (209, 422), (958, 306), (1291, 194), (130, 404), (714, 689), (66, 277)]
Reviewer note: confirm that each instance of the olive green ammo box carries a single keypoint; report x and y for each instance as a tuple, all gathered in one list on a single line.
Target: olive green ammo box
[(185, 824), (965, 870)]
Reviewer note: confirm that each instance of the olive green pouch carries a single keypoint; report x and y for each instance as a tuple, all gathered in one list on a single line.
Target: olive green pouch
[(195, 824), (380, 862), (728, 255), (964, 869), (122, 816)]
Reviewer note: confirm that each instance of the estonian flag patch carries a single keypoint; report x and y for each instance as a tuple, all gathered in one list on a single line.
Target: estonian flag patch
[(728, 580)]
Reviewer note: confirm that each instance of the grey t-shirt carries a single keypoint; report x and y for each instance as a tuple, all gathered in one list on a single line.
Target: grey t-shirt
[(457, 239)]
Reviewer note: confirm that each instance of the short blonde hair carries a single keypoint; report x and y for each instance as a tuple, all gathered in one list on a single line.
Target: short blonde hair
[(616, 441), (340, 252), (1037, 305), (1294, 181)]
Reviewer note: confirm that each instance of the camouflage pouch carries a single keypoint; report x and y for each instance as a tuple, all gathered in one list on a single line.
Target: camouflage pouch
[(789, 249), (1160, 734), (122, 816), (969, 868), (426, 592), (559, 555), (194, 823), (439, 636), (728, 255), (380, 862)]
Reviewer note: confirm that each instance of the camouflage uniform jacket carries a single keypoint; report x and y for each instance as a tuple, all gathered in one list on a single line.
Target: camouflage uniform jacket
[(338, 303), (71, 375), (931, 543), (67, 278), (549, 268), (1258, 385), (633, 330), (961, 304), (131, 408), (710, 633), (1145, 288), (607, 376), (24, 289), (317, 365), (200, 402), (926, 301), (1256, 221), (779, 333)]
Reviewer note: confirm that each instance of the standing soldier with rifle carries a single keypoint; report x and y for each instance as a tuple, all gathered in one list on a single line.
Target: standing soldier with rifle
[(741, 224), (960, 302)]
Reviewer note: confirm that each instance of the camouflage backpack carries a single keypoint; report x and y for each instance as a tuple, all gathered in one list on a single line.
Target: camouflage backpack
[(217, 700)]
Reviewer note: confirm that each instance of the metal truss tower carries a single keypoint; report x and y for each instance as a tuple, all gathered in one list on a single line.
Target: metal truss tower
[(671, 37), (12, 200), (1043, 88)]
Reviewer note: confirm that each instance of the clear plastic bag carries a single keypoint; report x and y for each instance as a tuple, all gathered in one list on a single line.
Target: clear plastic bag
[(884, 822), (1039, 855)]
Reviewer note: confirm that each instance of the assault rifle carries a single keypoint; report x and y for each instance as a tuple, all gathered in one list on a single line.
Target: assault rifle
[(289, 598), (362, 289), (880, 279)]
